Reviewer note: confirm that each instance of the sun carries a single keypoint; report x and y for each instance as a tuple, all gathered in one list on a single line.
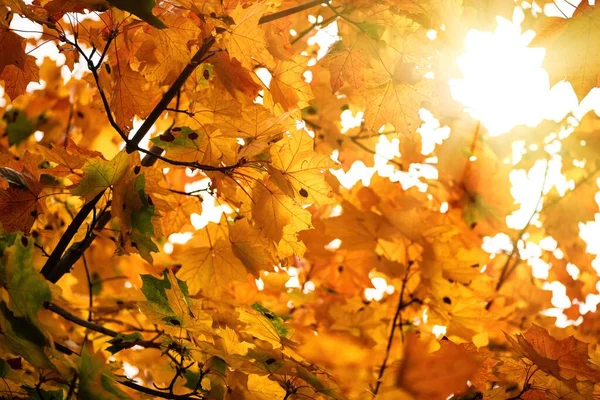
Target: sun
[(504, 84)]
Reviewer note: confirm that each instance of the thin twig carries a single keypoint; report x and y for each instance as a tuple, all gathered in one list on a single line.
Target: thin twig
[(311, 28), (94, 327), (507, 268), (90, 287), (397, 316), (157, 393), (365, 148), (284, 13), (94, 70)]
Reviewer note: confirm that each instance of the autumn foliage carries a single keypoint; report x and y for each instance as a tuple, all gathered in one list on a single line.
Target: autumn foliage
[(173, 222)]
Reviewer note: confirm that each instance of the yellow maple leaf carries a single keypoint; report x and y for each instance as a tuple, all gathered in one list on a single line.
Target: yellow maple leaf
[(273, 210), (303, 167), (262, 388), (246, 41), (129, 97), (209, 266), (288, 85)]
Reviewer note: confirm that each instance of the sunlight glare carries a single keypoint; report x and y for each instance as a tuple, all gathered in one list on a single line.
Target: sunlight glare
[(503, 82)]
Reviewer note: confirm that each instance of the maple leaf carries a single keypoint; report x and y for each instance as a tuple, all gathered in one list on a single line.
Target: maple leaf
[(262, 388), (168, 301), (253, 249), (17, 78), (570, 50), (69, 159), (128, 97), (27, 290), (273, 210), (178, 218), (436, 375), (288, 86), (19, 203), (100, 174), (184, 143), (393, 102), (346, 65), (167, 49), (136, 210), (97, 382), (245, 40), (302, 168), (24, 337), (565, 359), (17, 69), (209, 266), (263, 324), (581, 207), (233, 76)]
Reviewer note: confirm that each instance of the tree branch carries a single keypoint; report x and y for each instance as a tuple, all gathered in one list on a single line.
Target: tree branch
[(50, 270), (397, 316), (284, 13), (133, 143), (507, 269), (368, 150), (157, 393), (94, 70), (94, 327), (76, 251)]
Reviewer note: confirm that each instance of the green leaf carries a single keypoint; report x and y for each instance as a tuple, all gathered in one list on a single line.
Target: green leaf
[(313, 381), (4, 368), (41, 394), (26, 287), (141, 9), (6, 240), (183, 143), (191, 378), (101, 174), (123, 341), (274, 320), (155, 291), (141, 223), (218, 387), (96, 382), (18, 126), (169, 303), (24, 338)]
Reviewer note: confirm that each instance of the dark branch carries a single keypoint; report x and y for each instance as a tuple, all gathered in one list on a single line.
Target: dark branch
[(50, 269), (157, 393), (95, 327), (133, 143)]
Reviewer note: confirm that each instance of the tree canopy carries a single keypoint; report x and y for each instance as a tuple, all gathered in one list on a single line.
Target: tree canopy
[(176, 221)]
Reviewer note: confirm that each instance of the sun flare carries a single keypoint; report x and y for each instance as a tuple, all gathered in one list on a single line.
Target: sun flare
[(504, 84)]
